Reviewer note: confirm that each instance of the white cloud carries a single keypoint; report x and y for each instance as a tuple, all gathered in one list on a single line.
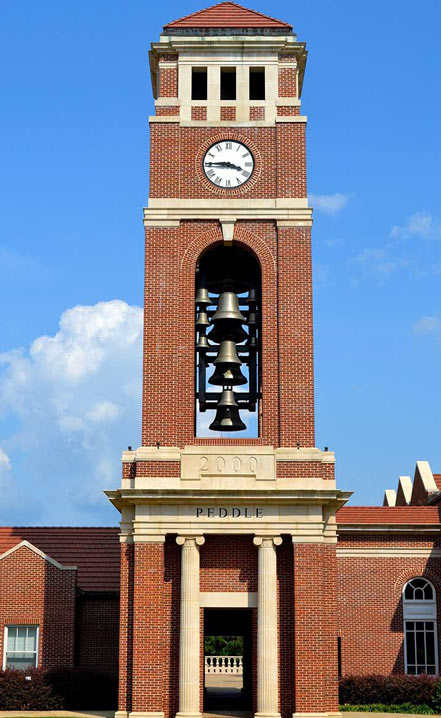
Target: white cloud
[(379, 262), (77, 396), (419, 224), (329, 204), (5, 465), (427, 325)]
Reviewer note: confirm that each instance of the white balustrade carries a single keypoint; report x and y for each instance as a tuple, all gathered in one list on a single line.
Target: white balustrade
[(224, 665)]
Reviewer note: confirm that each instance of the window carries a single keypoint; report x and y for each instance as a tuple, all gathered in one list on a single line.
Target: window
[(21, 647), (228, 83), (257, 83), (420, 641), (199, 83)]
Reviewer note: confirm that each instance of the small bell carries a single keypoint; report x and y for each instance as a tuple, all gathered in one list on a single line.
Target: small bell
[(202, 320), (252, 319), (203, 298), (227, 414), (252, 296), (252, 343), (202, 344)]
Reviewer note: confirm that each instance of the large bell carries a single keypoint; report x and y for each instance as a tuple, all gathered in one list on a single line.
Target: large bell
[(228, 309), (228, 377), (202, 320), (227, 414), (227, 319), (203, 298), (227, 365)]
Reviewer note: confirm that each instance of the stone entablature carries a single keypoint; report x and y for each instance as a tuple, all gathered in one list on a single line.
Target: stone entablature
[(227, 490), (227, 467)]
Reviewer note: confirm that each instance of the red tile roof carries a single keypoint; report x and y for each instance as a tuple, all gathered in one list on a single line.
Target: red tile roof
[(228, 14), (95, 551), (388, 515)]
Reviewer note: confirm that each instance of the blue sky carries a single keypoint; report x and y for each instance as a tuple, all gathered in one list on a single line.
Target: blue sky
[(75, 99)]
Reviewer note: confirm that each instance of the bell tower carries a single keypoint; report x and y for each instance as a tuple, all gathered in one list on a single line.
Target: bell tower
[(238, 526)]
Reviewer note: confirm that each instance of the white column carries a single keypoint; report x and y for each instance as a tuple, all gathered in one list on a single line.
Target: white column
[(189, 644), (267, 636)]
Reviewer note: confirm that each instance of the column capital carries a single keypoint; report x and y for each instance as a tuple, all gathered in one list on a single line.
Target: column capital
[(197, 540), (267, 540)]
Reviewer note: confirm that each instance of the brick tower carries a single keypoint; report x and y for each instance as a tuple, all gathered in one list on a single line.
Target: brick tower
[(231, 533)]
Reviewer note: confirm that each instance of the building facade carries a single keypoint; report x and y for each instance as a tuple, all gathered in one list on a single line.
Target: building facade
[(231, 535)]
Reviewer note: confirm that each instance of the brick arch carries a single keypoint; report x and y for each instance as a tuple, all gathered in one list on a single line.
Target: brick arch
[(214, 236), (269, 409), (408, 574)]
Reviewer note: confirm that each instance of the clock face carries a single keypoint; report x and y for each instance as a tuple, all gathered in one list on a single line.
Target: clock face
[(228, 164)]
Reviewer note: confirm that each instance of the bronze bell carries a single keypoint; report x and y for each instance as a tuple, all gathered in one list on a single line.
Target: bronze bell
[(252, 296), (227, 319), (252, 319), (202, 297), (202, 320), (202, 344), (227, 376), (227, 365), (227, 414), (228, 309), (252, 343), (227, 354)]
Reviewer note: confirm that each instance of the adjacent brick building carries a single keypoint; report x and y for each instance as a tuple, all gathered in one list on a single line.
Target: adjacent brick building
[(240, 536)]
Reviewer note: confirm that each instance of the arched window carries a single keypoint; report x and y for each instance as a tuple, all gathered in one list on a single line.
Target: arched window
[(420, 635)]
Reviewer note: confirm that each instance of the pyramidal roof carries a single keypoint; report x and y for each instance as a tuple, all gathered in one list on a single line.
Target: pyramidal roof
[(228, 15)]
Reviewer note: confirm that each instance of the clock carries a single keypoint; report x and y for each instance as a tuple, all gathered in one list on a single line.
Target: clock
[(228, 164)]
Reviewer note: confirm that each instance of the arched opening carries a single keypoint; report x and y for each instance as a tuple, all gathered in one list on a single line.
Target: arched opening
[(228, 336), (420, 634)]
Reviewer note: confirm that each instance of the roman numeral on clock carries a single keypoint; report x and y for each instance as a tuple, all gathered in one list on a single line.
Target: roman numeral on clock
[(218, 180), (227, 183), (228, 145), (210, 173), (219, 148)]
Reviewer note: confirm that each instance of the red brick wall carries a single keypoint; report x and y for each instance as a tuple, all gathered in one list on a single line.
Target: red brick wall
[(168, 81), (228, 563), (199, 112), (315, 628), (97, 634), (370, 604), (287, 81), (279, 153), (34, 592), (228, 113), (287, 403)]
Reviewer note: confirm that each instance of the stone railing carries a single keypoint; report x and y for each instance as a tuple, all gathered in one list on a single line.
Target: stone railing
[(224, 664)]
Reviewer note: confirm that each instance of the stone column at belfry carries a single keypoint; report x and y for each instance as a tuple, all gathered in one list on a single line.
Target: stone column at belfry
[(267, 634), (189, 640)]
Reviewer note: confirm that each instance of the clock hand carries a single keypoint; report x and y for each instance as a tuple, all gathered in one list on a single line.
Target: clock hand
[(227, 165)]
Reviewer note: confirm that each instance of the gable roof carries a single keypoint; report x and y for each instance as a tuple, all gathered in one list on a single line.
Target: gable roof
[(384, 515), (226, 15), (95, 551)]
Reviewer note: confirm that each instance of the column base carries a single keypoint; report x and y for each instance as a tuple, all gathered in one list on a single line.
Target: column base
[(140, 714), (267, 715), (181, 714)]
